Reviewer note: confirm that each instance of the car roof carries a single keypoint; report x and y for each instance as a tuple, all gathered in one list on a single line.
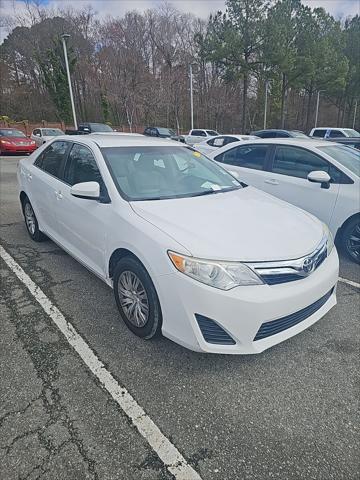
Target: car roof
[(120, 140), (332, 128), (300, 142)]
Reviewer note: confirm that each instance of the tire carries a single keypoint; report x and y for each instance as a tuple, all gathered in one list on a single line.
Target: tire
[(351, 239), (136, 298), (31, 222)]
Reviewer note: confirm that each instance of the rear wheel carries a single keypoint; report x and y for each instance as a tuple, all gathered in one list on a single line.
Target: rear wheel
[(136, 298), (351, 239), (31, 222)]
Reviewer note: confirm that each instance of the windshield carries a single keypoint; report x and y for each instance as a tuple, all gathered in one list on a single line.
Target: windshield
[(297, 134), (52, 132), (12, 133), (212, 133), (165, 131), (157, 173), (351, 133), (100, 127), (347, 156)]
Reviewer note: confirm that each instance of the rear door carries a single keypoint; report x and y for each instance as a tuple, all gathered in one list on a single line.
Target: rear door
[(287, 180), (44, 181), (248, 162)]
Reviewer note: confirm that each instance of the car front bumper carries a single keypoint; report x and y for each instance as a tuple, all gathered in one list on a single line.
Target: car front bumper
[(18, 148), (243, 310)]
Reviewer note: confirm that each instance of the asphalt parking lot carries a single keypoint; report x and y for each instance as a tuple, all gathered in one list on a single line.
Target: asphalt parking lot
[(288, 413)]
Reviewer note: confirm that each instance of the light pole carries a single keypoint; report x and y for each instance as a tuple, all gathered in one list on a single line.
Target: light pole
[(64, 37), (355, 112), (317, 106), (266, 102), (191, 97)]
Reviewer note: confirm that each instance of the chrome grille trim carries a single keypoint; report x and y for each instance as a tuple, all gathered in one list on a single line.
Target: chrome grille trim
[(289, 270)]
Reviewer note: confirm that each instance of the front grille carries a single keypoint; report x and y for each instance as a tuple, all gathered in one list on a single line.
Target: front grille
[(276, 326), (280, 278), (212, 332), (284, 271)]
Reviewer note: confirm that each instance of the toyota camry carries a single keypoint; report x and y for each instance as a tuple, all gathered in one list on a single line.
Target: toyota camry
[(189, 250)]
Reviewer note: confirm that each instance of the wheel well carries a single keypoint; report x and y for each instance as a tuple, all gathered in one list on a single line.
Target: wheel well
[(345, 224), (23, 196), (117, 255)]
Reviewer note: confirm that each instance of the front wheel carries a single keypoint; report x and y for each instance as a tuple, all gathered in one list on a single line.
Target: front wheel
[(31, 222), (136, 298), (351, 239)]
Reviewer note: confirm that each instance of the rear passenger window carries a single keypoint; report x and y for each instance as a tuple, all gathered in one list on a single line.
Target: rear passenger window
[(336, 134), (198, 133), (319, 133), (51, 160), (249, 156)]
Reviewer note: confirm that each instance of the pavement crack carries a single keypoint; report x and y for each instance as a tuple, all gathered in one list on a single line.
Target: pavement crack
[(45, 358)]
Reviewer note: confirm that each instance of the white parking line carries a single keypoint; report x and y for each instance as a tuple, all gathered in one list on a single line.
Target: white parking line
[(167, 452), (349, 282)]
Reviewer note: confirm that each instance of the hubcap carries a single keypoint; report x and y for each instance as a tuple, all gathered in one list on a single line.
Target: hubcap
[(353, 242), (133, 299), (30, 218)]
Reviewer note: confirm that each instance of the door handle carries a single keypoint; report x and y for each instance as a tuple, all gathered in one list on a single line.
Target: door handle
[(272, 181), (58, 195)]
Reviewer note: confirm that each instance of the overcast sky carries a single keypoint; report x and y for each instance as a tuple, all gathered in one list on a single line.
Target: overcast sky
[(202, 8)]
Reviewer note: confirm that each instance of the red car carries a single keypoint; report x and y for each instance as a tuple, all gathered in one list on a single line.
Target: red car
[(15, 141)]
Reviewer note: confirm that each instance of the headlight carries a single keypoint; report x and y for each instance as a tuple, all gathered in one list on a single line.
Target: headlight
[(329, 239), (222, 275)]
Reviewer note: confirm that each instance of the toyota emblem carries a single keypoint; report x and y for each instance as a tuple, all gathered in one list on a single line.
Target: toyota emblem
[(308, 265)]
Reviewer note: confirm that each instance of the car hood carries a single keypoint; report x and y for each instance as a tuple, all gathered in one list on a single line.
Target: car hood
[(242, 225), (16, 139)]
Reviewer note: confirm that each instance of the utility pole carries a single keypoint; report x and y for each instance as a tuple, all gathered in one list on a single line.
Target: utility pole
[(317, 107), (191, 98), (266, 102), (64, 37)]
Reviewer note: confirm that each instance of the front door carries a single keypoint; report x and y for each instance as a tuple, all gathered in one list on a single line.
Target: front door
[(288, 181), (82, 222)]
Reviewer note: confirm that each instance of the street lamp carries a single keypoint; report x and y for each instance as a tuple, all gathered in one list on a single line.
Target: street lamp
[(266, 101), (355, 112), (64, 37), (191, 96), (317, 106)]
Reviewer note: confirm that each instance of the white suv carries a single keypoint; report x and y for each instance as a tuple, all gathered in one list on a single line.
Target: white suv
[(199, 135), (318, 176), (328, 132)]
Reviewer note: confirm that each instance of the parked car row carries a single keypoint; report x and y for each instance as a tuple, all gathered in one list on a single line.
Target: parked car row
[(190, 251)]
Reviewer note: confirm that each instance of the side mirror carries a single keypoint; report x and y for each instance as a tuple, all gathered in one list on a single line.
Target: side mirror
[(87, 190), (319, 176), (86, 129)]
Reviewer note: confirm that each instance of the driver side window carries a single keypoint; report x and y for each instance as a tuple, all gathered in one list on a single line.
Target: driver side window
[(298, 162), (81, 167)]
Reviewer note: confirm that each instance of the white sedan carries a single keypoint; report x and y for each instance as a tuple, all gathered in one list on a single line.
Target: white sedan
[(317, 176), (43, 135), (220, 141), (188, 251)]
